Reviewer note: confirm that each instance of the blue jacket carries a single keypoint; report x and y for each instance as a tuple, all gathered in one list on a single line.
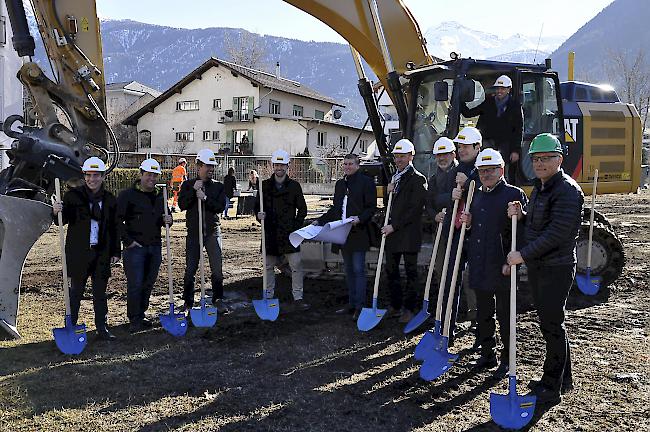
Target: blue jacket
[(490, 235)]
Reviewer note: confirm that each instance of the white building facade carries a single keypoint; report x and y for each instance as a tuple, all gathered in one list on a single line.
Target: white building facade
[(239, 111)]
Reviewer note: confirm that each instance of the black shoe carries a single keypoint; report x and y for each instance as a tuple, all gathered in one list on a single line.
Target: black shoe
[(147, 323), (502, 370), (355, 315), (546, 396), (136, 327), (302, 305), (348, 310), (104, 334), (486, 361), (393, 312), (535, 384)]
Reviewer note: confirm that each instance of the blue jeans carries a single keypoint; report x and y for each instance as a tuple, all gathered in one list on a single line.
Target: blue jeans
[(141, 265), (355, 276)]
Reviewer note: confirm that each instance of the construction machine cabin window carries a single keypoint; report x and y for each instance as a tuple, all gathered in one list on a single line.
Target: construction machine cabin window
[(184, 136), (430, 120), (192, 105)]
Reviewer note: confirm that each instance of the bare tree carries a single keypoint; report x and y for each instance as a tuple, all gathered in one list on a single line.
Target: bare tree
[(246, 49), (176, 147), (631, 74)]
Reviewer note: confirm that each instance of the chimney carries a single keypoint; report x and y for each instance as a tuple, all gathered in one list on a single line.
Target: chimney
[(277, 70)]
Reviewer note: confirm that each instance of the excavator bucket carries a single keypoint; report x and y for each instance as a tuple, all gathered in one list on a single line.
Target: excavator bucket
[(22, 222)]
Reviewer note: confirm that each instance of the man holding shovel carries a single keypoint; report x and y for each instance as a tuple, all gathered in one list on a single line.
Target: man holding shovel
[(203, 189), (285, 210), (92, 242), (141, 213), (549, 252)]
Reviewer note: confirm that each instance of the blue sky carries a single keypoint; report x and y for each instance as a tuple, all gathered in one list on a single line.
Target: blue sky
[(275, 17)]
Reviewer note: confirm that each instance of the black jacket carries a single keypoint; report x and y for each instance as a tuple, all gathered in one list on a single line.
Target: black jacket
[(213, 206), (406, 214), (229, 185), (76, 213), (489, 239), (362, 202), (140, 215), (285, 210), (553, 222), (506, 131), (439, 190)]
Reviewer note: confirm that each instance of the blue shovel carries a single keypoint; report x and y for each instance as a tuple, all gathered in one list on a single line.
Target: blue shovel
[(70, 339), (174, 323), (424, 314), (440, 360), (512, 411), (206, 314), (370, 317), (267, 309), (587, 283)]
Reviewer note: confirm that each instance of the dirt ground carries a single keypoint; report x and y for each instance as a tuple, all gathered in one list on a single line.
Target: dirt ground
[(311, 371)]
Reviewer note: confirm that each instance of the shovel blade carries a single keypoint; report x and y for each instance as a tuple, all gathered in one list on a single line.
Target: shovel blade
[(430, 340), (204, 316), (70, 339), (437, 362), (588, 284), (512, 411), (267, 309), (369, 318), (418, 319), (174, 323)]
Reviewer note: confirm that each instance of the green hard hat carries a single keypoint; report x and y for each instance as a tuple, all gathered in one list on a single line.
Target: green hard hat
[(544, 143)]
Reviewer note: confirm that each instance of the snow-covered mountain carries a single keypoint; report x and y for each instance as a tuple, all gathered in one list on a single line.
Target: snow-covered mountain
[(452, 36)]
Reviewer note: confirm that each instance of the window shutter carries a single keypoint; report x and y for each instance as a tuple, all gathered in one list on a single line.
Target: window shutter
[(251, 107), (235, 103), (250, 136)]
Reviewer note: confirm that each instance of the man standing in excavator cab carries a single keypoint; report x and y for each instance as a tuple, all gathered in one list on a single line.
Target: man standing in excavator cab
[(92, 243), (501, 124)]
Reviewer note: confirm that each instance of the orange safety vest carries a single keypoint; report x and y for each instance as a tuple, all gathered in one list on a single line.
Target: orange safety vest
[(178, 174)]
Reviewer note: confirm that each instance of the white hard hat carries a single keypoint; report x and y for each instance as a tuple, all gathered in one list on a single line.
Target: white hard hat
[(182, 160), (206, 156), (503, 81), (469, 135), (150, 165), (404, 146), (93, 164), (489, 157), (443, 145), (280, 157)]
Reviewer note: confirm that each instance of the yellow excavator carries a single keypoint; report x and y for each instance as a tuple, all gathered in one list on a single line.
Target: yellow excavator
[(427, 94)]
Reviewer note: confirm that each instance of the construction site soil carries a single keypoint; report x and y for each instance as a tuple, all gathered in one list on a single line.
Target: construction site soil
[(312, 370)]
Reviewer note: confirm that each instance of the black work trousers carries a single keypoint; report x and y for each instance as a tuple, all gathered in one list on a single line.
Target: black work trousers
[(99, 283), (489, 302), (402, 298), (212, 245), (550, 287)]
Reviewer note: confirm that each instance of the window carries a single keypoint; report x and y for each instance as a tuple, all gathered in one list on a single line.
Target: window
[(274, 107), (343, 142), (184, 136), (242, 108), (297, 111), (216, 104), (145, 139), (206, 135), (215, 135), (363, 145), (321, 139), (3, 30), (187, 105), (319, 115)]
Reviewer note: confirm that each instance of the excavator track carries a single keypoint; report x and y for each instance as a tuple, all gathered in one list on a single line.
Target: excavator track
[(607, 256)]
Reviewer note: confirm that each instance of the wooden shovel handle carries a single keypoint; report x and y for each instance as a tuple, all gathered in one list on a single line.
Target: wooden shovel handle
[(66, 292), (170, 279), (261, 196), (591, 218), (375, 291), (432, 263), (445, 265)]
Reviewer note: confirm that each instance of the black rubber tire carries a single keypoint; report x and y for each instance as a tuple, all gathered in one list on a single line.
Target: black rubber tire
[(607, 240), (598, 218)]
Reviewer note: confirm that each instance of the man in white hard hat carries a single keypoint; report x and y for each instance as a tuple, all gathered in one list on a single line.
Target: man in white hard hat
[(141, 213), (92, 241), (487, 248), (501, 123), (404, 230), (179, 175), (285, 210), (210, 194)]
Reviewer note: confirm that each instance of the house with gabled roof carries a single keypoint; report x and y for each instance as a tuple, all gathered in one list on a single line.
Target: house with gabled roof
[(236, 110)]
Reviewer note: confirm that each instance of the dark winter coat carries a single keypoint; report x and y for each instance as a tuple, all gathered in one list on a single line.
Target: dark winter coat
[(229, 185), (213, 206), (489, 239), (76, 213), (439, 190), (285, 210), (506, 131), (140, 215), (553, 222), (362, 202), (406, 214)]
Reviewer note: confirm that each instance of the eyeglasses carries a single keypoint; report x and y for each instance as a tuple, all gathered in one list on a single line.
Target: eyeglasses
[(487, 171), (543, 159)]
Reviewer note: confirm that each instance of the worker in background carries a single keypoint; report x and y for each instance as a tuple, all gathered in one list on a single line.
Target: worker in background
[(141, 214), (179, 175), (210, 193), (285, 210), (92, 241), (488, 243), (404, 230), (355, 196), (552, 223), (229, 184), (501, 124)]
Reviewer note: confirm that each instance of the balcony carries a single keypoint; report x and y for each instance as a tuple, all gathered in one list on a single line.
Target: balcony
[(234, 116), (241, 149)]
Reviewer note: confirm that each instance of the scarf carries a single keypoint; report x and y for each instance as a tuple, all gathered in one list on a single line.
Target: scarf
[(501, 105), (94, 199), (398, 176)]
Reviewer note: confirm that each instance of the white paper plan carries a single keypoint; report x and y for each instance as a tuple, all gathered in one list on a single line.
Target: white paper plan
[(332, 232)]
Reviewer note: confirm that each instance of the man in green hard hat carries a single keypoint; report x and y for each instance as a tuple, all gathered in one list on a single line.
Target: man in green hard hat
[(551, 230)]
